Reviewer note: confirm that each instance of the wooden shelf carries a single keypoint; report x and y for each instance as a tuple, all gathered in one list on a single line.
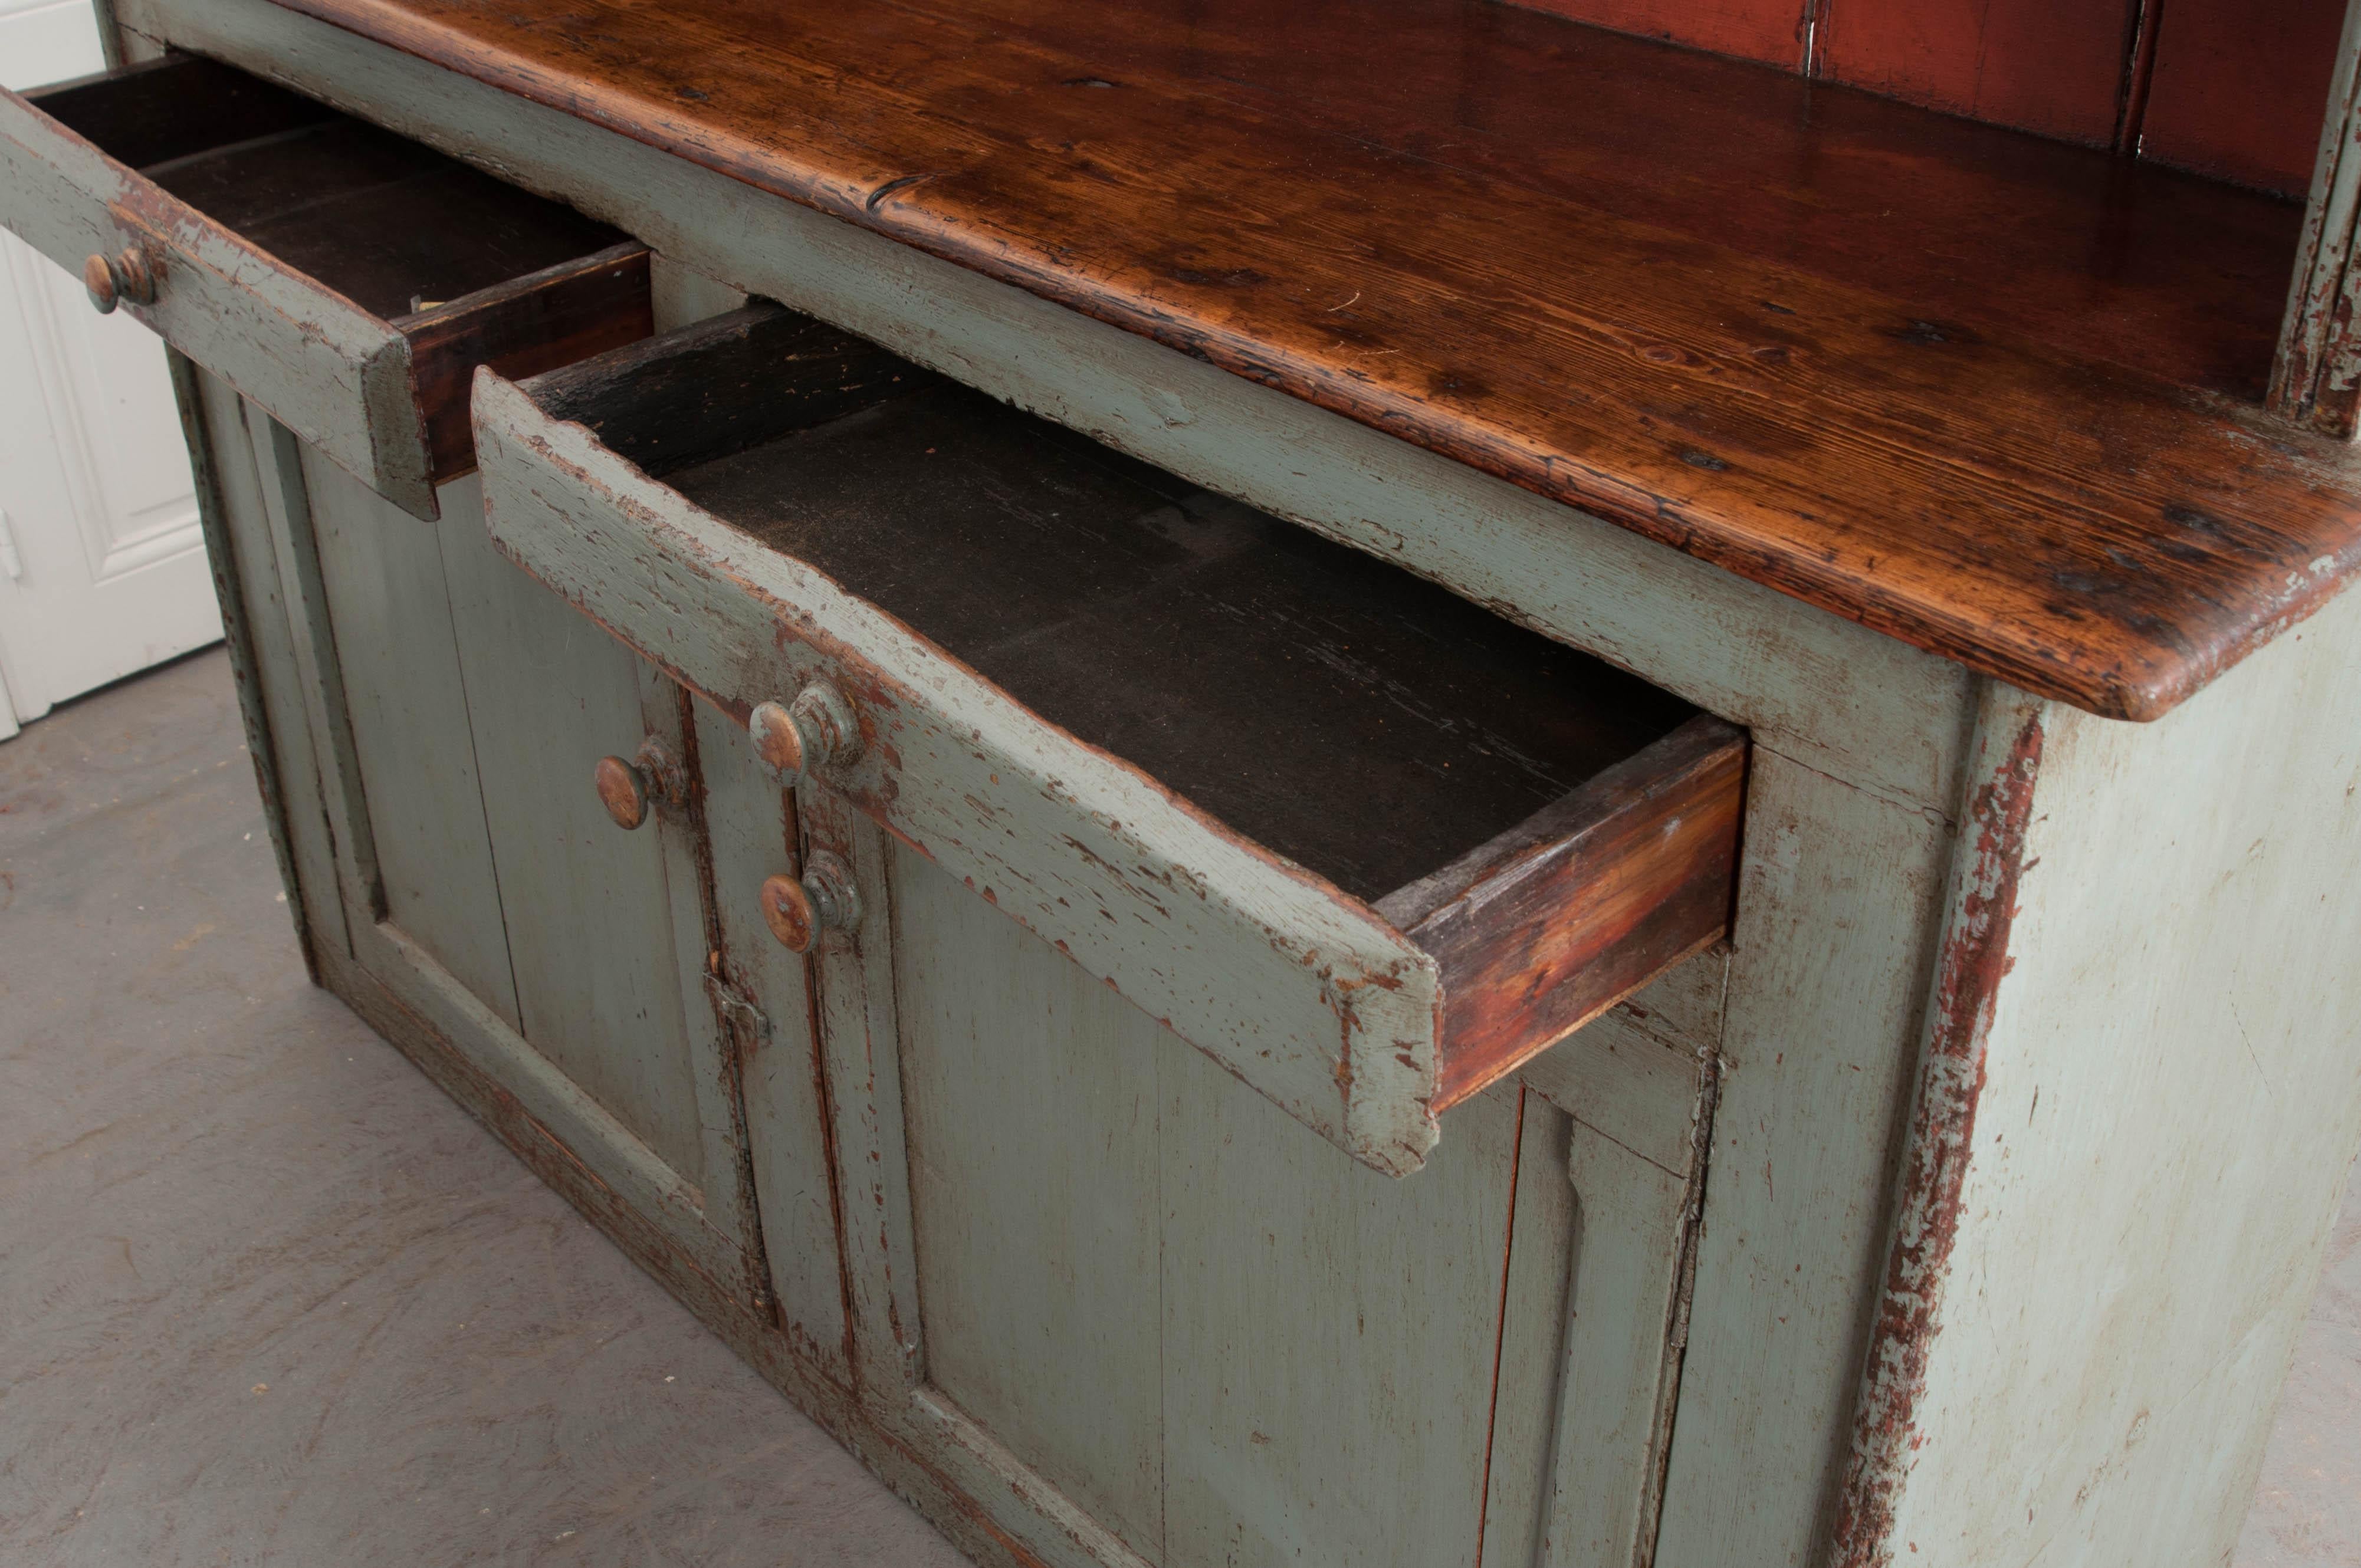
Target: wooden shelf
[(1994, 395)]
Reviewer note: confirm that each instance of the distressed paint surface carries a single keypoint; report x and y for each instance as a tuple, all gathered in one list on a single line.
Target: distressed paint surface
[(750, 825), (1303, 992), (590, 928), (2173, 1009), (2316, 375), (1839, 893), (335, 374), (390, 612)]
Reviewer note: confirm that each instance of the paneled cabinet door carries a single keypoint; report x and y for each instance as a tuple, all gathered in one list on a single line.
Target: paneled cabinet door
[(442, 719), (1140, 1314)]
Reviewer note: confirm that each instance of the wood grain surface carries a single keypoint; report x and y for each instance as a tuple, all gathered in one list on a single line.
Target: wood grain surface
[(1958, 465)]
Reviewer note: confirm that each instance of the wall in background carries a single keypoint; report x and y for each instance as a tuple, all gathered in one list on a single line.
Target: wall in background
[(2229, 88)]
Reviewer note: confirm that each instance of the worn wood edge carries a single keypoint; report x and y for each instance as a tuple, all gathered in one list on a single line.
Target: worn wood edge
[(1065, 1535), (528, 325), (1682, 798), (230, 306), (778, 370), (2316, 373), (1379, 990), (622, 1161), (1838, 698), (237, 637), (1511, 853), (751, 1337), (1971, 961), (2171, 664)]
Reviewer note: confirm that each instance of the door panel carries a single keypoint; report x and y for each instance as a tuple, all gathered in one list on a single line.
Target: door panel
[(1031, 1095), (1220, 1340), (586, 904), (383, 572), (1329, 1333)]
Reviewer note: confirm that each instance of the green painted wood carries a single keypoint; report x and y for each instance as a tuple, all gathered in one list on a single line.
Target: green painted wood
[(752, 829), (390, 612), (287, 511), (2124, 1164), (279, 682), (1533, 1338), (1329, 1334), (1839, 890), (1030, 1092), (716, 1040), (855, 1005), (1612, 1404), (1300, 989), (239, 633), (302, 692), (586, 903), (331, 372)]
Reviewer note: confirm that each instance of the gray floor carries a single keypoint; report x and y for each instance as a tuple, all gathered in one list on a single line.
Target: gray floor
[(266, 1298)]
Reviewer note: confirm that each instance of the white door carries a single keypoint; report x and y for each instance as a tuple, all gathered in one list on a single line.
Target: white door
[(102, 563)]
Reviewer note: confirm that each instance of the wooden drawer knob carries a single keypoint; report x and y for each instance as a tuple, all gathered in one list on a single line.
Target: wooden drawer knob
[(629, 789), (798, 909), (815, 729), (111, 280)]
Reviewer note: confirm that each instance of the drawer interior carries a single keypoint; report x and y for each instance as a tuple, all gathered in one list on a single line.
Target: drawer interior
[(1357, 719), (389, 224)]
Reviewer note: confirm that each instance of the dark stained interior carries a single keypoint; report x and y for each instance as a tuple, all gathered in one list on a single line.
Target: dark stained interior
[(379, 219), (1338, 711)]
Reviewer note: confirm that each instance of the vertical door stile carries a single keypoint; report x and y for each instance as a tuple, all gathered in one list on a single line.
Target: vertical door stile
[(238, 631), (244, 524), (1615, 1390), (286, 501), (721, 1029), (861, 1039)]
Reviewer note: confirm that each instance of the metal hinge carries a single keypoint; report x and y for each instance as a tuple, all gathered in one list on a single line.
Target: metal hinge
[(738, 1012)]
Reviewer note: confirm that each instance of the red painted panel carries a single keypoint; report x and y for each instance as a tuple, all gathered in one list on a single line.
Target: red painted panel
[(1770, 30), (2240, 89), (2045, 67)]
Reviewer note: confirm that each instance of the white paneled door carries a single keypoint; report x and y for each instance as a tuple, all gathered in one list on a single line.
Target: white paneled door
[(101, 564)]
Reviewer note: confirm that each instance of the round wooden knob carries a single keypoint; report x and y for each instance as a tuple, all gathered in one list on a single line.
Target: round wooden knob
[(817, 729), (622, 790), (111, 280), (797, 909), (788, 911)]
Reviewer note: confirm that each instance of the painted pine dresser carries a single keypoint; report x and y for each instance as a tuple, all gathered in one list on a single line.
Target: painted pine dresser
[(1375, 785)]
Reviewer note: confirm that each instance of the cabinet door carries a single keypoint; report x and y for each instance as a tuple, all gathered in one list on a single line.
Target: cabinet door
[(453, 714), (1125, 1304)]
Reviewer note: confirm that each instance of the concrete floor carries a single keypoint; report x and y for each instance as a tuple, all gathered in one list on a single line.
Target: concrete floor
[(267, 1298)]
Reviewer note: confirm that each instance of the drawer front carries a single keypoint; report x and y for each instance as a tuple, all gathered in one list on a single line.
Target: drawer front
[(1302, 991), (330, 371), (343, 278)]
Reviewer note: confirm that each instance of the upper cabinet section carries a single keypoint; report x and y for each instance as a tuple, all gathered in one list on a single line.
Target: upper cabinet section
[(347, 279), (1997, 395)]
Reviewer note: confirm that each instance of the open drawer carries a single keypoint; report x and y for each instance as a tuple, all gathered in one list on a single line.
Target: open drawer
[(347, 279), (1367, 844)]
